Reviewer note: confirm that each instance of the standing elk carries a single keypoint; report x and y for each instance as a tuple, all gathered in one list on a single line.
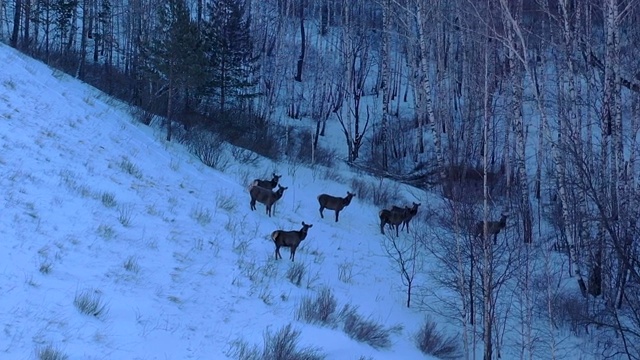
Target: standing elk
[(265, 196), (412, 212), (493, 227), (334, 203), (267, 184), (290, 239), (393, 217)]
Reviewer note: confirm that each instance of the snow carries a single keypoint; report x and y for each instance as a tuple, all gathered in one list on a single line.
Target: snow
[(67, 148)]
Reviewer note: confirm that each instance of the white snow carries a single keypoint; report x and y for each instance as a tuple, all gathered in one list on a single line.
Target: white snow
[(199, 285)]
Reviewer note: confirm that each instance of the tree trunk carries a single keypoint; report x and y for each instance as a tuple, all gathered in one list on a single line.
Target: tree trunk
[(27, 26), (298, 76), (487, 275), (385, 59), (83, 40), (170, 102), (73, 29), (426, 85), (17, 15)]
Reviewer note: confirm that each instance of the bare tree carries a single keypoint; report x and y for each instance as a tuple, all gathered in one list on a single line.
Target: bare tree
[(404, 253)]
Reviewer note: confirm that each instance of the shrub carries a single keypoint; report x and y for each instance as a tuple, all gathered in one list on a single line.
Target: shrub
[(381, 194), (283, 345), (433, 342), (208, 147), (89, 302), (366, 330), (384, 192), (319, 309), (250, 131), (569, 309), (362, 188)]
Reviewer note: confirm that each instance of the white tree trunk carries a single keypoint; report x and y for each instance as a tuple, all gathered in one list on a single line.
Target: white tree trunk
[(386, 78), (426, 85)]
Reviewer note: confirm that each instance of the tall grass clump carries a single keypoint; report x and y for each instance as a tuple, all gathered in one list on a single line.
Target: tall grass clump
[(434, 343), (131, 264), (296, 272), (201, 215), (90, 302), (130, 168), (319, 309), (366, 330), (50, 352), (281, 345), (125, 213), (108, 199)]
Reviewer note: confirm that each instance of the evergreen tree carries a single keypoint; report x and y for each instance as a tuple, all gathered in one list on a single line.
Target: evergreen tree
[(176, 57), (230, 51)]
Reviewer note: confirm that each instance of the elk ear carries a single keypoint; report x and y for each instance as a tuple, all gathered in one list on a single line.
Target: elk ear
[(303, 224)]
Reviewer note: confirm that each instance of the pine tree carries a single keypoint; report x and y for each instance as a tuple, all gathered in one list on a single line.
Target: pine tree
[(230, 52), (176, 57)]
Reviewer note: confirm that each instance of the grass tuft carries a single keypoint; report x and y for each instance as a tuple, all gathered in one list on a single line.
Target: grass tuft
[(89, 302), (281, 345), (50, 352), (108, 199), (130, 168), (296, 272), (131, 265), (125, 214), (319, 309), (201, 215), (433, 342), (366, 330)]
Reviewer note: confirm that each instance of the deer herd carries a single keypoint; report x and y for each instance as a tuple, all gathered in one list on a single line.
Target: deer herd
[(262, 191)]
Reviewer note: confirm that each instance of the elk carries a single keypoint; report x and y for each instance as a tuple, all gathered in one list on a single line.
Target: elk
[(334, 203), (267, 184), (412, 212), (393, 217), (493, 227), (290, 239), (265, 196)]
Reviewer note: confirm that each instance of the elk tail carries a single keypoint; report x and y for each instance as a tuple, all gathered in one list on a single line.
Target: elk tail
[(275, 234)]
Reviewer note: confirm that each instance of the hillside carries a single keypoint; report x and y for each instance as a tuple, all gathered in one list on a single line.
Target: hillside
[(97, 207)]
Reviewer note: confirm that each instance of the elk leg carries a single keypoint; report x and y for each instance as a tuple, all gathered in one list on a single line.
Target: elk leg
[(321, 208), (337, 213), (278, 252), (293, 253)]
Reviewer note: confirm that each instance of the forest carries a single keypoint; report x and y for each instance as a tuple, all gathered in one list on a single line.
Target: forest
[(530, 107)]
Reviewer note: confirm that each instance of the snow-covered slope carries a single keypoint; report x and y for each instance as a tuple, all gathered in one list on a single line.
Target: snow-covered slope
[(94, 205)]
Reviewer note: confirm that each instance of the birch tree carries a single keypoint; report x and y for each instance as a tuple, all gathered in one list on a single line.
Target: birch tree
[(385, 60), (420, 19)]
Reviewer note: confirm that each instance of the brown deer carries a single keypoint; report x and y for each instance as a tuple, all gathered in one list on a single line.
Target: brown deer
[(290, 239), (393, 217), (334, 203), (265, 196), (267, 184), (493, 227), (413, 211)]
